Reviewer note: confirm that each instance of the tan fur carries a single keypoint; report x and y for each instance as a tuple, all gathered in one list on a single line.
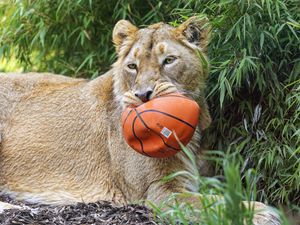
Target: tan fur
[(61, 138)]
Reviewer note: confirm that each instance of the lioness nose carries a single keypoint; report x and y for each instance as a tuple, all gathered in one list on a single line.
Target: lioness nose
[(144, 96)]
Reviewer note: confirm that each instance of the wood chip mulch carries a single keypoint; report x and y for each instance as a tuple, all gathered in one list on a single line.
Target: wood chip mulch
[(81, 213)]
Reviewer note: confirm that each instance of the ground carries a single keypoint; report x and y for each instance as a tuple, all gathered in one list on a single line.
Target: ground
[(92, 213)]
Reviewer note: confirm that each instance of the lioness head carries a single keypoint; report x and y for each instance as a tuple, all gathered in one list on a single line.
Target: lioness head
[(159, 59)]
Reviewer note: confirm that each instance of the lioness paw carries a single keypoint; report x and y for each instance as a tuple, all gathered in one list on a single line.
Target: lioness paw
[(129, 99), (265, 215), (164, 88), (4, 206)]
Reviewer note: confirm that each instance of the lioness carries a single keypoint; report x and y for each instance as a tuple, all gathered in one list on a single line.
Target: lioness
[(61, 138)]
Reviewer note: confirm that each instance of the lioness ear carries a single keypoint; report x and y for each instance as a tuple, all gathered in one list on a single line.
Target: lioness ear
[(122, 30), (197, 32)]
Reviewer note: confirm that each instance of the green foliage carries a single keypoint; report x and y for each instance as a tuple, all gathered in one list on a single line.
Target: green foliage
[(254, 83), (234, 208), (254, 77), (65, 36)]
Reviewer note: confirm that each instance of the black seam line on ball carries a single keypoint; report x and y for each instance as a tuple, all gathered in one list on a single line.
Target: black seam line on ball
[(138, 115), (133, 131), (127, 118), (167, 114), (175, 149)]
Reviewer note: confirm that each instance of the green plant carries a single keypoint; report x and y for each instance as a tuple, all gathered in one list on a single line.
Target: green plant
[(220, 199)]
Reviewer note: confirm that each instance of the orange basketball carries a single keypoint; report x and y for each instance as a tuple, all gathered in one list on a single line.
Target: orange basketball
[(151, 127)]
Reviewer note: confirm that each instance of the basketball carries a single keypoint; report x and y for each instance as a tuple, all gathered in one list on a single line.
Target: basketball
[(151, 128)]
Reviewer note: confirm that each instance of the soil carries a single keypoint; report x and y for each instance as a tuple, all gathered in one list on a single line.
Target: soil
[(81, 213)]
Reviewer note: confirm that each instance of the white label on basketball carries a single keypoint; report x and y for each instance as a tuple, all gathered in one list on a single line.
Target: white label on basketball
[(166, 132)]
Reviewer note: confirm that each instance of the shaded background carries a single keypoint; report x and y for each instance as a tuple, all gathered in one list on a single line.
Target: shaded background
[(254, 84)]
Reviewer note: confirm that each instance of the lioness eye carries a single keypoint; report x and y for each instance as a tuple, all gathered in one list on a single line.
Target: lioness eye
[(132, 66), (169, 60)]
